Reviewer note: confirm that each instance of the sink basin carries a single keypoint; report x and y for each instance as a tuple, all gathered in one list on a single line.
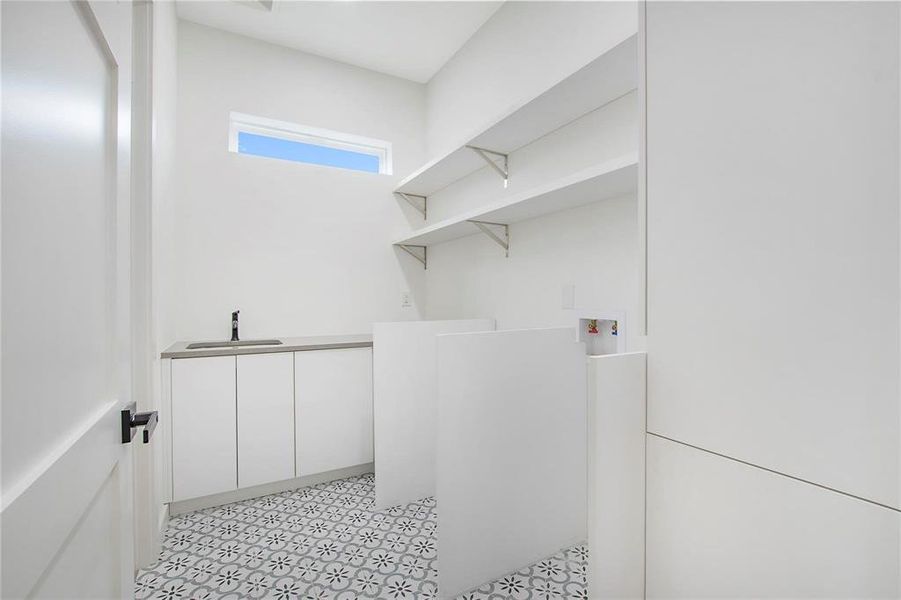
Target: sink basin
[(198, 345)]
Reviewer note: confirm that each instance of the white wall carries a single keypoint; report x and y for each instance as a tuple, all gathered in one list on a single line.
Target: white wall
[(300, 249), (604, 134), (594, 247), (522, 50), (773, 332)]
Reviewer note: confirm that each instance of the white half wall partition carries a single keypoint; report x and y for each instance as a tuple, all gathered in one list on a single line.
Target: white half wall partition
[(616, 475), (511, 452), (405, 406)]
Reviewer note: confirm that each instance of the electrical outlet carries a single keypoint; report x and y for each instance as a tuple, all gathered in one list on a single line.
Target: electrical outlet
[(405, 301)]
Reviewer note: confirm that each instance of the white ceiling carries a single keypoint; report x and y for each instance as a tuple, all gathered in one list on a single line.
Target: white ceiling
[(412, 40)]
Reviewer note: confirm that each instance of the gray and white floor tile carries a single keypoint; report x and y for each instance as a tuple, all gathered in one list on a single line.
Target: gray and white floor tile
[(327, 543)]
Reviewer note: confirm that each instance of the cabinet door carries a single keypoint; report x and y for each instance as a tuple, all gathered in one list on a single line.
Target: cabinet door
[(265, 418), (204, 449), (333, 396)]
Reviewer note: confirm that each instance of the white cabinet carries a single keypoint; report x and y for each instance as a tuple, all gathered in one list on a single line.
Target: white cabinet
[(333, 399), (265, 418), (718, 528), (204, 421), (241, 421), (757, 363)]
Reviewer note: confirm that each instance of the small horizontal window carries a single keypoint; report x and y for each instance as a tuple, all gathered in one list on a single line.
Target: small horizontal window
[(258, 136)]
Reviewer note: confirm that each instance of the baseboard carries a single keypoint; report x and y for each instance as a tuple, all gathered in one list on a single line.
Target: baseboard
[(192, 504), (163, 519)]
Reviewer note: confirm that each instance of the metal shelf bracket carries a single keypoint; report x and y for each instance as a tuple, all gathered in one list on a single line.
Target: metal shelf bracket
[(423, 210), (503, 242), (423, 258), (490, 157)]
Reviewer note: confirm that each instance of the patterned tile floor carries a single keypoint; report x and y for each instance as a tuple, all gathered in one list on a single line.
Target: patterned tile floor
[(326, 543)]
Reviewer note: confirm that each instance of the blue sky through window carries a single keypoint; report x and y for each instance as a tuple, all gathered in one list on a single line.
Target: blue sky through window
[(271, 147)]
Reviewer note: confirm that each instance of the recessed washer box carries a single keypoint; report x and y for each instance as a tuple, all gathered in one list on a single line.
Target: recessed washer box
[(603, 331)]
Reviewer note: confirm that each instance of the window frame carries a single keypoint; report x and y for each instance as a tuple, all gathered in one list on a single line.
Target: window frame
[(245, 123)]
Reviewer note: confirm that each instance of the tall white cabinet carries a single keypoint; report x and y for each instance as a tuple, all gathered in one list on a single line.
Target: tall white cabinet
[(333, 396), (204, 421), (773, 322), (265, 403)]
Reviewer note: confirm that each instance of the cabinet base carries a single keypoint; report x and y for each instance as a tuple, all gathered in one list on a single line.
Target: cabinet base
[(183, 506)]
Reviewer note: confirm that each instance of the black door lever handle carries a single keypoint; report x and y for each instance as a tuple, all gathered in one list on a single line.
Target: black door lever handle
[(132, 420)]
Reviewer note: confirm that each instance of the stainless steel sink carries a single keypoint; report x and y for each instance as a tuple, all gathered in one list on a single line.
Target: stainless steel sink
[(199, 345)]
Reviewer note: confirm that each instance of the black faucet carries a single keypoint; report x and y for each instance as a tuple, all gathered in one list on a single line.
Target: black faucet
[(235, 325)]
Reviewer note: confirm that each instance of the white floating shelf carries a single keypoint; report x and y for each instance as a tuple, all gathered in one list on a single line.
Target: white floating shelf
[(610, 179), (606, 78)]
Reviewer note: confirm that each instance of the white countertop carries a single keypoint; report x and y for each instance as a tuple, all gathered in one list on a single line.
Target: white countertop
[(289, 344)]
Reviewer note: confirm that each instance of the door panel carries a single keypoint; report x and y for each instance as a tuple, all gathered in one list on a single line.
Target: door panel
[(333, 395), (79, 571), (66, 476), (265, 418), (58, 209)]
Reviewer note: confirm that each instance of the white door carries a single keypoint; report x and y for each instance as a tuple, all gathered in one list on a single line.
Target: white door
[(66, 476), (265, 418), (333, 396)]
